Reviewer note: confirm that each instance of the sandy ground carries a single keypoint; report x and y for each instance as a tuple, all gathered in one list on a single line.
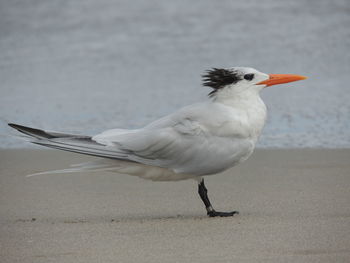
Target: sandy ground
[(294, 207)]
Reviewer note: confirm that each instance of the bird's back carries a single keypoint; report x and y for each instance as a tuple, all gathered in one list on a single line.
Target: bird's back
[(200, 139)]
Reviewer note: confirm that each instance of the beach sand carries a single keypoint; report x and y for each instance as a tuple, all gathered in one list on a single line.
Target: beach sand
[(294, 207)]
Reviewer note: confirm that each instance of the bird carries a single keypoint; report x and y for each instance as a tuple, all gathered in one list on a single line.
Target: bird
[(198, 140)]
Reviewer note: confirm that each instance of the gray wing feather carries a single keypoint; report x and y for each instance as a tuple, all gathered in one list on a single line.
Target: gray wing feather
[(69, 142)]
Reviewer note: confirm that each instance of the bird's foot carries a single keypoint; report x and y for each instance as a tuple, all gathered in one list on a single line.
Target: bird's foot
[(222, 214)]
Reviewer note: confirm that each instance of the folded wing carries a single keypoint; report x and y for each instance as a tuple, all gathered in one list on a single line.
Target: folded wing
[(182, 145)]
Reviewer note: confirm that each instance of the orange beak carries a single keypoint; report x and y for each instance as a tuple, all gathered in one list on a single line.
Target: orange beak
[(280, 79)]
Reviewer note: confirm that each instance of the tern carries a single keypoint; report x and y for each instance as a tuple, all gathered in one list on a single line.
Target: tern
[(198, 140)]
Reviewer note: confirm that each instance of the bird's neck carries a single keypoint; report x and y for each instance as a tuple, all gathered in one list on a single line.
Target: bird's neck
[(249, 109), (244, 99)]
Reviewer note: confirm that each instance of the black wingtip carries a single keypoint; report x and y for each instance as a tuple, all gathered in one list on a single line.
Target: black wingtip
[(18, 127), (13, 125), (31, 131)]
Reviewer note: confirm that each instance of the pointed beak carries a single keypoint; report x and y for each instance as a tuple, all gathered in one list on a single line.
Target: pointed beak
[(280, 79)]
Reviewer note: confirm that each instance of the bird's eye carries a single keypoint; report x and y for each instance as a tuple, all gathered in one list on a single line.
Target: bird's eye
[(248, 76)]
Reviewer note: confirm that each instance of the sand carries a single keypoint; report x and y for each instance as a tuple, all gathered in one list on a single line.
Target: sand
[(294, 207)]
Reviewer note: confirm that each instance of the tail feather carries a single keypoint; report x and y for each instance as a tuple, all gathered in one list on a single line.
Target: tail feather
[(101, 165)]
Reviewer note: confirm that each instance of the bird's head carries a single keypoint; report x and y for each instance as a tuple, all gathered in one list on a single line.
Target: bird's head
[(233, 81)]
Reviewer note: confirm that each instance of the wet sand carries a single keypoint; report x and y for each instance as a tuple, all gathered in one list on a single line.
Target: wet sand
[(294, 207)]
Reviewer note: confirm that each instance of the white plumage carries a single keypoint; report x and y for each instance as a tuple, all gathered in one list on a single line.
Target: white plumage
[(198, 140)]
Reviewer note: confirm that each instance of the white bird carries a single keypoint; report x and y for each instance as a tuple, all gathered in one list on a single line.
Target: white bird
[(202, 139)]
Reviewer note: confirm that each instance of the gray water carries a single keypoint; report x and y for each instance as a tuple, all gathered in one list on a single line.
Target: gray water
[(86, 66)]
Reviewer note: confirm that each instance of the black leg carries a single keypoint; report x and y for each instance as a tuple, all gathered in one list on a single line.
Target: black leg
[(203, 193)]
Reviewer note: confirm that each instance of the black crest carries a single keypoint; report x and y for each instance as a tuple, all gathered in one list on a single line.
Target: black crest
[(218, 78)]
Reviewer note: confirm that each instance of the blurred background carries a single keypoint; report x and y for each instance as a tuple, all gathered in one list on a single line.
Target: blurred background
[(86, 66)]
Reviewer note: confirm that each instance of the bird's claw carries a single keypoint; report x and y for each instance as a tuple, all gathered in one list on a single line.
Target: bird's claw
[(222, 214)]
